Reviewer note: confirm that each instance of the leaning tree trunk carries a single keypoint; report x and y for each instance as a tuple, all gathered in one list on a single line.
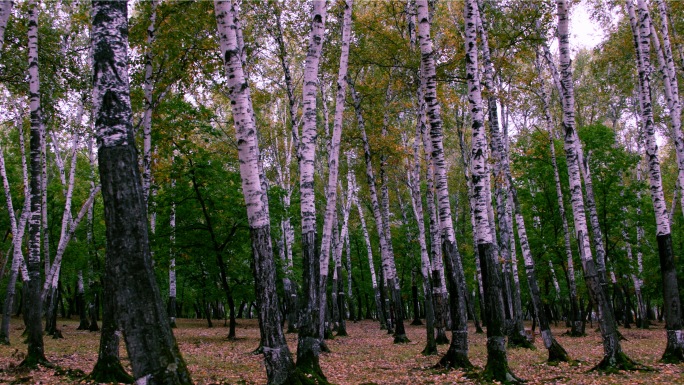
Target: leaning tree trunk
[(394, 288), (138, 301), (279, 364), (556, 352), (439, 293), (613, 357), (576, 324), (674, 351), (371, 264), (108, 367), (671, 86), (457, 355), (34, 306), (17, 253), (413, 178), (497, 361), (388, 266), (501, 168), (333, 159)]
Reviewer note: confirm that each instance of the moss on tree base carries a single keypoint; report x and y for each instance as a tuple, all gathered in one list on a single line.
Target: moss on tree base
[(557, 354), (518, 340), (109, 370), (619, 362), (673, 355), (32, 361), (401, 339), (430, 349), (453, 359)]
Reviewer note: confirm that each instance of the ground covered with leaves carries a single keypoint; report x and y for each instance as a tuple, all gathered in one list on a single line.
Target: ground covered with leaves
[(367, 356)]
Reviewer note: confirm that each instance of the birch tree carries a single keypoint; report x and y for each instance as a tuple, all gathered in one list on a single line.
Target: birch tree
[(154, 355), (576, 324), (279, 364), (556, 352), (613, 357), (457, 355), (34, 305), (674, 350), (309, 337), (497, 361), (501, 169), (387, 258), (333, 158)]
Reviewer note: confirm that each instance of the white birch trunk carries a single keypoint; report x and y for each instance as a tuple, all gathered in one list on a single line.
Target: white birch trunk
[(279, 363), (674, 351), (333, 158), (308, 344), (148, 87), (613, 356), (457, 356), (5, 13), (671, 86), (369, 251)]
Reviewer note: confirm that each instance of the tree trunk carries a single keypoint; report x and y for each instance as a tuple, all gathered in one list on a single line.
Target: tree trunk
[(333, 158), (279, 364), (5, 13), (497, 361), (172, 263), (152, 349), (310, 337), (501, 168), (369, 249), (34, 309), (576, 329), (457, 355), (556, 352), (147, 113), (613, 357), (413, 178), (674, 351)]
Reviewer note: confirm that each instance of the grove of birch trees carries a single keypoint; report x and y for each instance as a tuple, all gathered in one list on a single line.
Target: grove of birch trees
[(315, 163)]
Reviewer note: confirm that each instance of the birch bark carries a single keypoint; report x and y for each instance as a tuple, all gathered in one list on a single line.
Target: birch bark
[(457, 355), (674, 351), (334, 156), (388, 265), (34, 305), (516, 333), (152, 349), (277, 357), (369, 250), (613, 355), (310, 338), (576, 325), (497, 361), (413, 178), (556, 352)]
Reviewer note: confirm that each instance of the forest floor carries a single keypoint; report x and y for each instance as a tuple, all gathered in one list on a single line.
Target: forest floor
[(367, 356)]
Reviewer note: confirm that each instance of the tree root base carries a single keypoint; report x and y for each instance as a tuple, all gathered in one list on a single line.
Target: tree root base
[(417, 322), (430, 350), (33, 361), (441, 340), (401, 339), (503, 377), (618, 363), (109, 370), (517, 340), (557, 354), (454, 360), (673, 356)]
